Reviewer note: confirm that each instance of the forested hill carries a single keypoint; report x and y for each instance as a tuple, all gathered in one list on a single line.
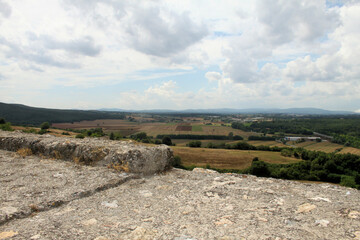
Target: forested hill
[(21, 114)]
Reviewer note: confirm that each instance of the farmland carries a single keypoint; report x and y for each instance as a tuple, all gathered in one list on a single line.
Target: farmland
[(154, 125), (126, 127), (227, 159), (117, 125)]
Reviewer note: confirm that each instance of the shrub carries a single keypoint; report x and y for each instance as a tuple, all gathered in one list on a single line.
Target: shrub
[(140, 136), (80, 136), (115, 136), (45, 125), (157, 141), (177, 162), (167, 141), (286, 152), (195, 144), (259, 168), (2, 121), (42, 131), (65, 133), (112, 136), (6, 127), (96, 132), (348, 181), (29, 130)]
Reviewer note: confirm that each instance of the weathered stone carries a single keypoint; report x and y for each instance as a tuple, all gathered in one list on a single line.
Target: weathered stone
[(9, 210), (203, 170), (121, 155), (89, 222), (354, 215), (319, 199), (305, 208), (322, 222), (5, 235), (37, 236), (141, 233), (113, 204), (146, 193)]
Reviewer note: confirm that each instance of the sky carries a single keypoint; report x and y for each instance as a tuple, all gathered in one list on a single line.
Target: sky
[(180, 54)]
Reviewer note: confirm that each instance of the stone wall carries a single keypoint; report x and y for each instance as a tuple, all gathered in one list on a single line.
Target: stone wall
[(121, 155)]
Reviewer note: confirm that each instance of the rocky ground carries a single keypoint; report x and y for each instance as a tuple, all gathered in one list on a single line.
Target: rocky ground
[(43, 198)]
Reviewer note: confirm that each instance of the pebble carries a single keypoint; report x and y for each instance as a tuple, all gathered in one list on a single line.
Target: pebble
[(322, 222), (305, 208), (113, 204)]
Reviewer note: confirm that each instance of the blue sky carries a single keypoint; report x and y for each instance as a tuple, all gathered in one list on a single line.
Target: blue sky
[(90, 54)]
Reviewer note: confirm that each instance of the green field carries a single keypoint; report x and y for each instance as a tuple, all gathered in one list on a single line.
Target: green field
[(227, 159), (197, 128)]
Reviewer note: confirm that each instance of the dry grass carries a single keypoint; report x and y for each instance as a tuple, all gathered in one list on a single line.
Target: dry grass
[(350, 150), (183, 142), (227, 159), (325, 146), (267, 143), (24, 152), (119, 167), (108, 125)]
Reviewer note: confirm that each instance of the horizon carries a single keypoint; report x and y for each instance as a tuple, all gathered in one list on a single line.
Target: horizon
[(180, 55), (201, 110)]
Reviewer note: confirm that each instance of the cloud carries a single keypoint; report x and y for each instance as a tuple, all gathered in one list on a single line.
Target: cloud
[(339, 65), (165, 90), (35, 54), (296, 37), (213, 76), (160, 32), (150, 28), (286, 21), (5, 9), (42, 50), (83, 46)]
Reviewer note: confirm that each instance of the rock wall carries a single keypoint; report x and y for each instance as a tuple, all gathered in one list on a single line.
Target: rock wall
[(121, 155)]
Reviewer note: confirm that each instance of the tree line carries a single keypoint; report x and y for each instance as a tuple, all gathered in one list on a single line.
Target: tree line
[(200, 137)]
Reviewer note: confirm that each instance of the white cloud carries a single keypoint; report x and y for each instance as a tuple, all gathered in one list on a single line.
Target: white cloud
[(287, 21), (213, 76)]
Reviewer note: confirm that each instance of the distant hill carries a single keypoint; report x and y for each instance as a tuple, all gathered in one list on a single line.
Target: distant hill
[(21, 114), (300, 111)]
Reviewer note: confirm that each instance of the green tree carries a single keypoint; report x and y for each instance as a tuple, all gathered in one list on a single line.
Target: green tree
[(2, 121), (259, 168), (141, 136), (167, 141)]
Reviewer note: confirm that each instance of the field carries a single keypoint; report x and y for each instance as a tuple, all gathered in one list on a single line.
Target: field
[(153, 129), (183, 142), (109, 125), (266, 143), (227, 159)]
